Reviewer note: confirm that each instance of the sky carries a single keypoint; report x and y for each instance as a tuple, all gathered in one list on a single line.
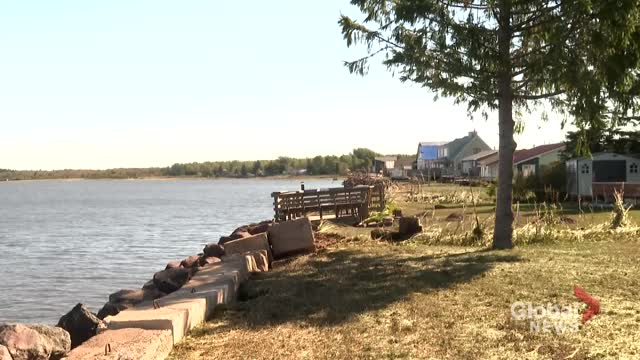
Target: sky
[(104, 84)]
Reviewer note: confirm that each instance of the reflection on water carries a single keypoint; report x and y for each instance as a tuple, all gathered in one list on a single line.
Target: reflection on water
[(64, 242)]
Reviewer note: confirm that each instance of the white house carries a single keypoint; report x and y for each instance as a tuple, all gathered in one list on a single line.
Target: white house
[(603, 173)]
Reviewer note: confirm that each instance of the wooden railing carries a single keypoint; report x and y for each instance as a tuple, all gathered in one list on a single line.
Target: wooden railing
[(356, 201)]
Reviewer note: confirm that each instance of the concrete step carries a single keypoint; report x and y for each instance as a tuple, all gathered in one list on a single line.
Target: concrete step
[(125, 344)]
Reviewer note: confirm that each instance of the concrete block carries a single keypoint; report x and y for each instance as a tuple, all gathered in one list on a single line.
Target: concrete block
[(260, 260), (291, 237), (125, 344), (163, 318), (255, 242)]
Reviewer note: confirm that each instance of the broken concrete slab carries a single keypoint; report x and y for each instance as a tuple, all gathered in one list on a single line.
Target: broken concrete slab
[(291, 237), (125, 344), (260, 260), (163, 318), (255, 242)]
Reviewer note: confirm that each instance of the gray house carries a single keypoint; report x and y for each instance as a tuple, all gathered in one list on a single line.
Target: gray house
[(450, 155)]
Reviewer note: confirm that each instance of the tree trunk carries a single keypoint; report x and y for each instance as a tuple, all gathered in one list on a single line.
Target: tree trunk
[(503, 233)]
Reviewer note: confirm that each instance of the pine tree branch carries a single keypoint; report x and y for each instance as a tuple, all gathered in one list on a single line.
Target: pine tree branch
[(538, 96)]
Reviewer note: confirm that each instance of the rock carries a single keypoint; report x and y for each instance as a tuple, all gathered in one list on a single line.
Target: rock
[(387, 221), (149, 285), (214, 250), (234, 236), (191, 261), (381, 234), (112, 309), (80, 323), (291, 237), (260, 228), (455, 217), (35, 342), (173, 265), (58, 337), (171, 280), (23, 342), (409, 225), (207, 260), (136, 296), (4, 353)]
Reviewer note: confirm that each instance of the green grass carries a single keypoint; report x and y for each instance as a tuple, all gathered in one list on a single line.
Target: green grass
[(373, 300)]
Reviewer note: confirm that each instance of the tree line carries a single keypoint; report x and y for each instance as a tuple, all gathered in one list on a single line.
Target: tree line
[(360, 159)]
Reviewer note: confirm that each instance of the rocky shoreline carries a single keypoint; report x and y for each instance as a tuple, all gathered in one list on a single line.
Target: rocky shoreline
[(271, 240)]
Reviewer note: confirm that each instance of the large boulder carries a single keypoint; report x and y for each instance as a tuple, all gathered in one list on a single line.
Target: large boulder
[(173, 264), (171, 280), (59, 338), (112, 309), (214, 250), (291, 237), (135, 296), (4, 353), (260, 228), (35, 342), (208, 260), (190, 262), (127, 298), (80, 323), (234, 236), (409, 225)]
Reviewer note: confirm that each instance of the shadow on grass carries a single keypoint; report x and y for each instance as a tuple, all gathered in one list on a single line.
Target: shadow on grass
[(332, 288)]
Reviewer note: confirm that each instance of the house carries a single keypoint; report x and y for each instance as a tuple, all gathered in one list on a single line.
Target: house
[(471, 164), (489, 167), (384, 164), (446, 158), (529, 162), (525, 161), (402, 169), (427, 154), (600, 175)]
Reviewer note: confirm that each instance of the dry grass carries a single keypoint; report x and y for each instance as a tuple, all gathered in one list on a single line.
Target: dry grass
[(371, 300), (358, 298)]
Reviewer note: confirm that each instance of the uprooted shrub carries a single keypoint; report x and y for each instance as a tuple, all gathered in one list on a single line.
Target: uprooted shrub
[(620, 211)]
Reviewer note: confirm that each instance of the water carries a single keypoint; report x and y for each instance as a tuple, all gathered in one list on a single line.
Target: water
[(64, 242)]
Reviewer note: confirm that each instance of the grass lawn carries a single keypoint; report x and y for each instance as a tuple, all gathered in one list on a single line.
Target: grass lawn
[(364, 299), (375, 300)]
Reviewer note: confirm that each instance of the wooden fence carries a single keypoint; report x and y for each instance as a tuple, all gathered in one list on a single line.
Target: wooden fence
[(356, 201)]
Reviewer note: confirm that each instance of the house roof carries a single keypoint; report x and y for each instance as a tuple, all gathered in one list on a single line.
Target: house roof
[(491, 159), (528, 154), (457, 146), (480, 155)]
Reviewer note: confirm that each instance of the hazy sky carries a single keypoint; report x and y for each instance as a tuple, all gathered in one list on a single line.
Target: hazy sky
[(99, 84)]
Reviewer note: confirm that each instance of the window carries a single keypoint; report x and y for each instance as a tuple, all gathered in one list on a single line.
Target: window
[(528, 170), (584, 169), (476, 150), (633, 168)]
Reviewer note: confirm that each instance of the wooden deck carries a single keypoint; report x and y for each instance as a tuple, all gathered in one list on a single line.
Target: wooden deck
[(356, 201)]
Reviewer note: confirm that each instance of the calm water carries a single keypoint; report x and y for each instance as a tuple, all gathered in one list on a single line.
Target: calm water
[(64, 242)]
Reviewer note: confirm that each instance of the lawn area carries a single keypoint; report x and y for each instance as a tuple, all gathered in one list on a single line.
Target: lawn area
[(422, 298), (364, 299)]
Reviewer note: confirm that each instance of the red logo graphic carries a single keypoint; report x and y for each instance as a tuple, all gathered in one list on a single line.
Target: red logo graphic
[(593, 306)]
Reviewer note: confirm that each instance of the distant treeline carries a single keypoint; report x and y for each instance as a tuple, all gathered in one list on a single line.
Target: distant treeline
[(360, 159)]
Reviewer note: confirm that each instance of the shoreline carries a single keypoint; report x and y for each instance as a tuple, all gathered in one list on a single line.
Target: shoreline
[(179, 178)]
